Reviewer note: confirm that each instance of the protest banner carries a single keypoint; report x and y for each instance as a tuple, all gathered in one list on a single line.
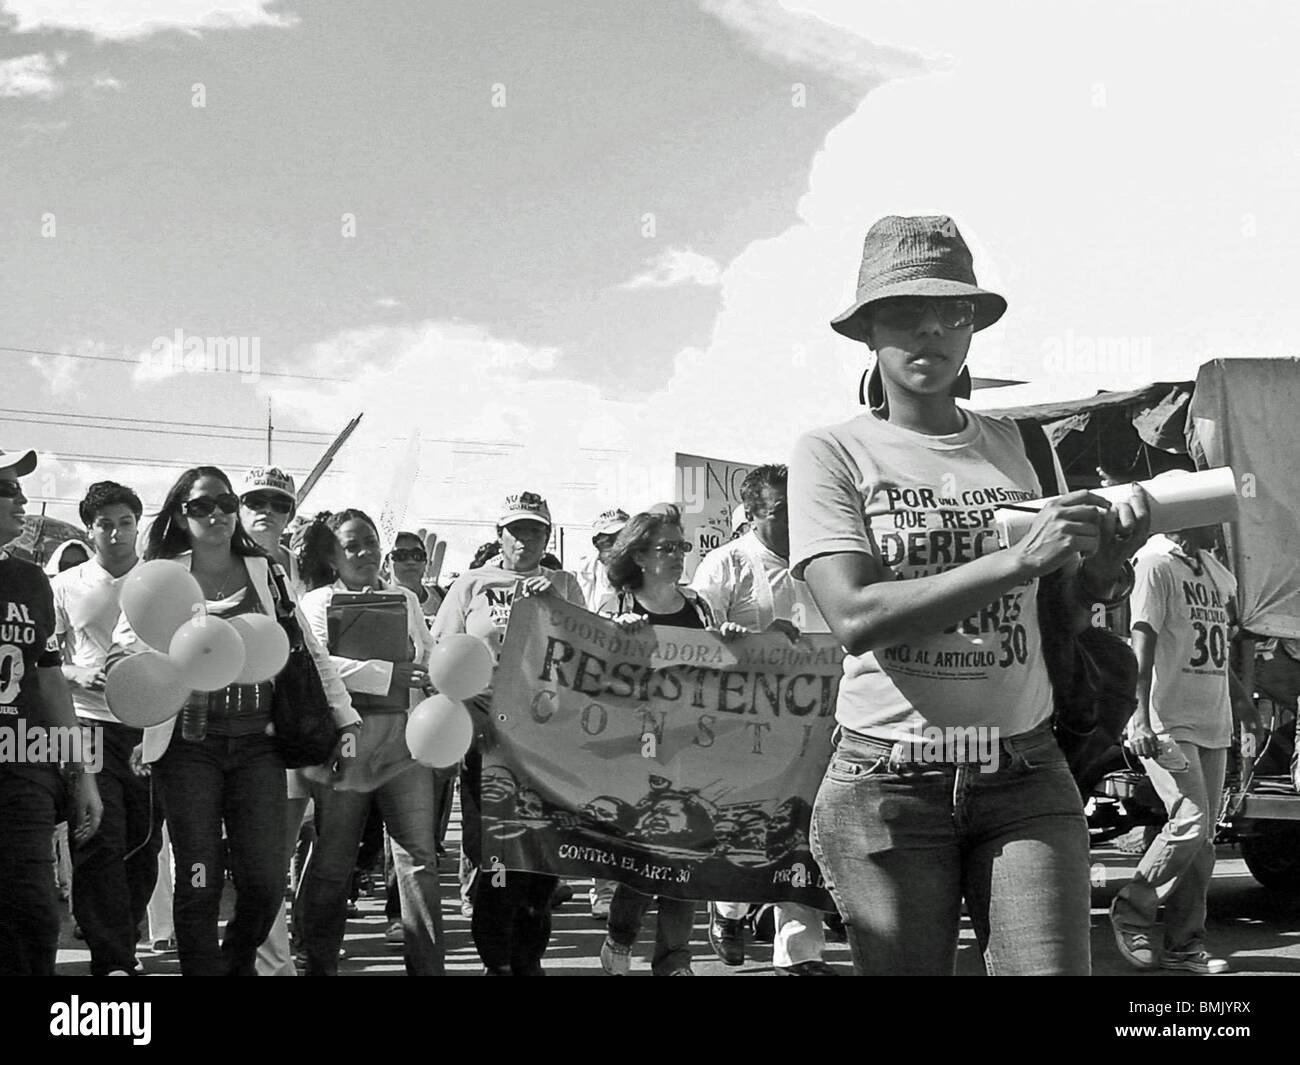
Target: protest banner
[(663, 758), (708, 490)]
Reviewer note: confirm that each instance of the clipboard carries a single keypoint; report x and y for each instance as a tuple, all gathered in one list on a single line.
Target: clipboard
[(372, 625)]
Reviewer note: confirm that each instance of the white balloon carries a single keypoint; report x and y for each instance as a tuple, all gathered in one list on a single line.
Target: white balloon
[(460, 666), (439, 732), (209, 652), (159, 597), (266, 647), (145, 689)]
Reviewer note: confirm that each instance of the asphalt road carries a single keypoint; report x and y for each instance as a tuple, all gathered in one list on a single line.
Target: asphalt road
[(1256, 929)]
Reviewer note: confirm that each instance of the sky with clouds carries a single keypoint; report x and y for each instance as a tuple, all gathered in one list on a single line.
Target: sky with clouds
[(560, 247)]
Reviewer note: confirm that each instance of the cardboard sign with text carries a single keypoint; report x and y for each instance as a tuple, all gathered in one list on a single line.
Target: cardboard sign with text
[(708, 490)]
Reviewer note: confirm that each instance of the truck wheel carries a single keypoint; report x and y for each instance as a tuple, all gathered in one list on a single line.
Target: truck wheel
[(1272, 854)]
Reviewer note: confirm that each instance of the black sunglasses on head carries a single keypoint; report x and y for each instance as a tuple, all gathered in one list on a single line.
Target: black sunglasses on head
[(408, 554), (204, 506), (268, 501)]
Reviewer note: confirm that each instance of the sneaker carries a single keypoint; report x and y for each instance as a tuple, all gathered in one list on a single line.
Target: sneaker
[(164, 946), (600, 909), (395, 934), (1134, 943), (616, 960), (1197, 960), (685, 970), (466, 909), (815, 967), (727, 938), (563, 893)]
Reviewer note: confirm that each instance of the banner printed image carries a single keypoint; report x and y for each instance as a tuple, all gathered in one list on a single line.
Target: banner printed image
[(618, 759)]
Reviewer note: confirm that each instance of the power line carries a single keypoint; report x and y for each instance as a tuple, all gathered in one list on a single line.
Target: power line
[(155, 432), (136, 362), (174, 464), (258, 429)]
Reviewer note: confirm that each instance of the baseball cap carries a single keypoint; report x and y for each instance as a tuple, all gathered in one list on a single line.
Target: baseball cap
[(524, 506), (268, 479), (17, 463), (610, 522)]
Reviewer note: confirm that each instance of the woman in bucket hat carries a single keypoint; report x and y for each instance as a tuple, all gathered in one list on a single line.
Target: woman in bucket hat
[(891, 518)]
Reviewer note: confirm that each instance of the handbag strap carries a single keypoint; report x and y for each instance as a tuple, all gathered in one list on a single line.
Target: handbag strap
[(284, 608), (1039, 452), (280, 589), (1050, 589)]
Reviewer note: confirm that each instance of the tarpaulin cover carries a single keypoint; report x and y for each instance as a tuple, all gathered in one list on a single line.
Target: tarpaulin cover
[(1245, 414)]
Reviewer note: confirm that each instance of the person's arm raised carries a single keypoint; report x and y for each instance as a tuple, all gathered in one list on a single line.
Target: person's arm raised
[(866, 609)]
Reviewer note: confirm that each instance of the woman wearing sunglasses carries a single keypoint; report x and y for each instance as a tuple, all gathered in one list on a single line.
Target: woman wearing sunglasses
[(892, 525), (645, 567), (384, 691), (267, 500), (226, 772)]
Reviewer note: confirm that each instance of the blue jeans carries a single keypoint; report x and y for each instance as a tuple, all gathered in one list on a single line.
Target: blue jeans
[(409, 807), (238, 781), (902, 846), (29, 904), (673, 927), (1179, 864)]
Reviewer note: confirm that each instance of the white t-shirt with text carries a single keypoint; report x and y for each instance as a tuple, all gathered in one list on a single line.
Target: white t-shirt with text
[(1188, 612), (921, 505)]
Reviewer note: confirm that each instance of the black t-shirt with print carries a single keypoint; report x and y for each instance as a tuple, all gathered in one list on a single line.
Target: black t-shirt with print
[(685, 617), (27, 643)]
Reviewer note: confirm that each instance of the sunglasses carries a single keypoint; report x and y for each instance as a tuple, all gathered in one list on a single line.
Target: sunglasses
[(268, 501), (11, 490), (907, 312), (673, 547), (205, 506), (408, 554)]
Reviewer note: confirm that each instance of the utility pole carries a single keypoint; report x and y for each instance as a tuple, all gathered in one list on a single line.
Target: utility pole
[(268, 430)]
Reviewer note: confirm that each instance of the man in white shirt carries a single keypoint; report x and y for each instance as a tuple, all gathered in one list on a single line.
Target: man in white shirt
[(115, 870), (747, 581), (1181, 729), (592, 578)]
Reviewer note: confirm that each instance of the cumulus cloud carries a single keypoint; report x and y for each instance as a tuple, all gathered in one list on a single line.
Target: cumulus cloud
[(127, 19), (31, 75), (792, 35), (676, 266)]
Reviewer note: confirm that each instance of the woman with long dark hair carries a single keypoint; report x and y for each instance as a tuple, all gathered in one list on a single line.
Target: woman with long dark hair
[(222, 767), (385, 690)]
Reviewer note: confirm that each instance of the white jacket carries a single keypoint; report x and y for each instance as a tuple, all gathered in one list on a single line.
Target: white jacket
[(158, 737), (368, 676)]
